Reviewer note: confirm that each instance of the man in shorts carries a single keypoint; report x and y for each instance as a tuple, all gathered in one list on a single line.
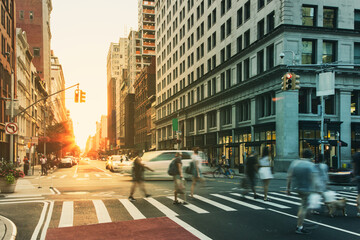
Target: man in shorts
[(179, 187), (356, 174)]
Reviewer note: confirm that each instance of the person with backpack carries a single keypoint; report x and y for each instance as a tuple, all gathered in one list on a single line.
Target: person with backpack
[(195, 170), (138, 177), (175, 170)]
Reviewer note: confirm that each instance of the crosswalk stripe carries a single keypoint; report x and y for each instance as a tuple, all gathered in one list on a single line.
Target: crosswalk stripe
[(262, 201), (280, 199), (167, 211), (238, 202), (86, 175), (284, 195), (97, 175), (189, 228), (133, 211), (191, 207), (101, 211), (67, 214), (347, 194), (109, 175), (216, 204), (63, 176)]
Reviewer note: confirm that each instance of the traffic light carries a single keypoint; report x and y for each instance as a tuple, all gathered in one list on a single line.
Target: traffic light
[(82, 96), (76, 95), (287, 82), (295, 81)]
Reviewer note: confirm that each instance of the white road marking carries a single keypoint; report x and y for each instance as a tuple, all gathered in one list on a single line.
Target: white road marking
[(75, 175), (105, 178), (191, 206), (216, 204), (238, 202), (22, 199), (86, 175), (101, 211), (52, 191), (57, 191), (285, 195), (262, 201), (47, 222), (40, 223), (318, 223), (67, 214), (101, 169), (97, 175), (109, 175), (164, 209), (133, 211), (189, 228), (281, 199), (63, 176), (348, 195)]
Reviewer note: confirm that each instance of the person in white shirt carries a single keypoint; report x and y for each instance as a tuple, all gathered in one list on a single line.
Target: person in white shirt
[(43, 161), (196, 171), (265, 171)]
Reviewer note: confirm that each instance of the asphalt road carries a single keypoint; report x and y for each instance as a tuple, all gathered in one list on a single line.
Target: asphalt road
[(87, 196)]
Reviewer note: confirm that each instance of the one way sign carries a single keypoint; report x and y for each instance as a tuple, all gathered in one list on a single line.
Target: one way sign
[(11, 128)]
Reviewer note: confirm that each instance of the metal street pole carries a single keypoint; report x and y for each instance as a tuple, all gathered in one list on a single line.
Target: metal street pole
[(12, 116), (322, 126)]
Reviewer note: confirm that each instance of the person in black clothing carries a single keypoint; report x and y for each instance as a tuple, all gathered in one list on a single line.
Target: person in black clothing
[(251, 168), (356, 174), (138, 177)]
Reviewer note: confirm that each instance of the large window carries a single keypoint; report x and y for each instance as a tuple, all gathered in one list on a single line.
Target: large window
[(243, 111), (261, 29), (226, 116), (270, 21), (247, 10), (329, 52), (309, 15), (330, 17), (239, 16), (270, 57), (308, 54), (246, 69), (211, 119), (247, 38), (356, 53), (260, 61), (357, 20), (261, 4)]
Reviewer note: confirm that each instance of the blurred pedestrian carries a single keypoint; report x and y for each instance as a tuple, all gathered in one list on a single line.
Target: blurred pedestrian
[(196, 171), (265, 171), (251, 168), (43, 161), (302, 175), (178, 177), (18, 161), (356, 174), (26, 165), (138, 177)]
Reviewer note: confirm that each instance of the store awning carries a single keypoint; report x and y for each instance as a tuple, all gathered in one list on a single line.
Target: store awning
[(335, 143)]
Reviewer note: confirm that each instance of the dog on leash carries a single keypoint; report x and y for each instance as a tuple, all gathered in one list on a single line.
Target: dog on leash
[(339, 204)]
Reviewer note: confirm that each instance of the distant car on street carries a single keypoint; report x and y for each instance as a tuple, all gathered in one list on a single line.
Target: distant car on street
[(66, 162), (159, 161), (118, 163)]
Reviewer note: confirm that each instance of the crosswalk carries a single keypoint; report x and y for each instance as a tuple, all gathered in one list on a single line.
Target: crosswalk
[(107, 210)]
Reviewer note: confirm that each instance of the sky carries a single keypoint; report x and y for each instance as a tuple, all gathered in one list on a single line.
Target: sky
[(82, 31)]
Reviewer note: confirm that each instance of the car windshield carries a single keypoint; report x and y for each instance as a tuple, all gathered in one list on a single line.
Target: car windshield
[(149, 155)]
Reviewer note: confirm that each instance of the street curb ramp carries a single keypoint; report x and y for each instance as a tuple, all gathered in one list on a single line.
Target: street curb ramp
[(8, 230)]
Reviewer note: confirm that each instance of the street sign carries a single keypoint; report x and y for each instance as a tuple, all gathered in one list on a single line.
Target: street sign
[(324, 141), (11, 128), (175, 124), (325, 84)]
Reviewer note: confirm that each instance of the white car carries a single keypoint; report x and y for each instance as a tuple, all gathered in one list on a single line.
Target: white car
[(66, 161), (159, 161), (119, 163)]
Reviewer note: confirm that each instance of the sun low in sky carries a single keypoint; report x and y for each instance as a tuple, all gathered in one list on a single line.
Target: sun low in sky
[(82, 31)]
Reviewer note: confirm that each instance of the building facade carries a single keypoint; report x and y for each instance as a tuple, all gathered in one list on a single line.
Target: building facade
[(144, 97), (219, 72), (7, 67)]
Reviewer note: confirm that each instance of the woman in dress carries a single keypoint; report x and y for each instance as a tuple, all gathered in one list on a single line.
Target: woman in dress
[(265, 171), (196, 172)]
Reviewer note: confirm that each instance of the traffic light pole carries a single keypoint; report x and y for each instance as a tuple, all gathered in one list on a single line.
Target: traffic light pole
[(322, 112), (12, 116)]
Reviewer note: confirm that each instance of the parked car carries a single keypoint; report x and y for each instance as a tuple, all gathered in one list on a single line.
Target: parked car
[(66, 162), (159, 161), (118, 163)]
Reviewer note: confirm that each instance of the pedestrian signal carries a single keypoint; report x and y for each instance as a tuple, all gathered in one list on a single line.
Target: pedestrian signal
[(76, 95), (82, 96)]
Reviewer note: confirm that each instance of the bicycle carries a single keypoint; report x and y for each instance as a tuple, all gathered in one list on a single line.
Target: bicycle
[(228, 172)]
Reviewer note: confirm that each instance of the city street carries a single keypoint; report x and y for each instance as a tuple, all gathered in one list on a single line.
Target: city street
[(90, 202)]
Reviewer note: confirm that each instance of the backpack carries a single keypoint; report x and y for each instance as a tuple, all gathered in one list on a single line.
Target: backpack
[(172, 170), (189, 169)]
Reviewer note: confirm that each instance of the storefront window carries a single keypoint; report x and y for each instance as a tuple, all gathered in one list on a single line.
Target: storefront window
[(268, 135)]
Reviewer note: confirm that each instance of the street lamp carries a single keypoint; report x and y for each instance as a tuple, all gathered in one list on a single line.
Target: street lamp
[(11, 110)]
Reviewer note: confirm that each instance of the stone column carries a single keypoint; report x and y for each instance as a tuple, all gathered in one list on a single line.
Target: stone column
[(344, 107), (287, 129)]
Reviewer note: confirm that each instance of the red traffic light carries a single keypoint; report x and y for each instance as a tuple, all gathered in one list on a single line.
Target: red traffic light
[(76, 95), (288, 76)]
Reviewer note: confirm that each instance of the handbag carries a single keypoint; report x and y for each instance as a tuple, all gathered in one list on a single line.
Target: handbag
[(314, 201)]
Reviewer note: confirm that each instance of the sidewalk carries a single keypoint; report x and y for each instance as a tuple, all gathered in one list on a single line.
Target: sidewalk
[(24, 188)]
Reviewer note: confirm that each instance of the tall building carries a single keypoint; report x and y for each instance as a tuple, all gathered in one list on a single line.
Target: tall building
[(219, 72), (144, 97), (134, 59), (57, 102), (7, 66), (33, 17), (120, 83), (113, 73)]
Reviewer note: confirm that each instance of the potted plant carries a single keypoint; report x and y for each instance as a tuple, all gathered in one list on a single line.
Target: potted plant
[(8, 177)]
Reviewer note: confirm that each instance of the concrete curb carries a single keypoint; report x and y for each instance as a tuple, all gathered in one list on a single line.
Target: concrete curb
[(8, 228)]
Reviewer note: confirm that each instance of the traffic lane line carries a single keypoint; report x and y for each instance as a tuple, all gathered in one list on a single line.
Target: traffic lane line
[(40, 223), (318, 223), (47, 222)]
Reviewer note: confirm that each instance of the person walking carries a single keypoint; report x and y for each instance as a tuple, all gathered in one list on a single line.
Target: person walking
[(301, 178), (138, 178), (251, 168), (43, 165), (356, 174), (178, 178), (265, 171), (26, 165), (196, 171)]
